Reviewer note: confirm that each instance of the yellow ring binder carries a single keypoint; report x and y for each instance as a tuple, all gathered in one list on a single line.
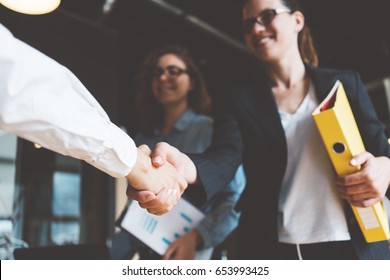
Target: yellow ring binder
[(342, 140)]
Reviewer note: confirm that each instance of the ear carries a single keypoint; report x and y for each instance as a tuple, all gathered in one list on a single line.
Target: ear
[(299, 20)]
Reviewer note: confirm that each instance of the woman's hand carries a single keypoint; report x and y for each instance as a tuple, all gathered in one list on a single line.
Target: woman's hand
[(183, 248), (369, 185)]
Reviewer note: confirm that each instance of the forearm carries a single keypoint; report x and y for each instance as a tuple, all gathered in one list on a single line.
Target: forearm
[(189, 170), (216, 226), (216, 167), (141, 176), (48, 105)]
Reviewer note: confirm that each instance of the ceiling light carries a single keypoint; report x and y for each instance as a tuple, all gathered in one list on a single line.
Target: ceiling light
[(31, 7)]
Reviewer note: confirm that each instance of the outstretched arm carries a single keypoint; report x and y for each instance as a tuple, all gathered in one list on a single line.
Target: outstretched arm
[(42, 101), (214, 168)]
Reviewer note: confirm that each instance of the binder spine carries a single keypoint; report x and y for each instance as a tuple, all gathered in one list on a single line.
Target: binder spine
[(342, 140)]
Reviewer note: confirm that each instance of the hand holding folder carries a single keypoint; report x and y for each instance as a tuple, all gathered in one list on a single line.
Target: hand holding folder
[(341, 137)]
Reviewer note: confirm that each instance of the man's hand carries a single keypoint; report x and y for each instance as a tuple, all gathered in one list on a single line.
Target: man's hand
[(369, 185), (157, 200), (158, 204), (164, 153), (144, 176)]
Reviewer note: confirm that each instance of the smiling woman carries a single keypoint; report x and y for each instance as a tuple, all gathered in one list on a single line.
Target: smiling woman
[(168, 74), (292, 190), (174, 102)]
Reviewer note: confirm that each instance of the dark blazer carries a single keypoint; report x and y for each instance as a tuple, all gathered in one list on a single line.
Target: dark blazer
[(264, 155)]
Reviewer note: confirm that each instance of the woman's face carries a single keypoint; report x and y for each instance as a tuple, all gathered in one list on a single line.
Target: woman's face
[(171, 82), (277, 37)]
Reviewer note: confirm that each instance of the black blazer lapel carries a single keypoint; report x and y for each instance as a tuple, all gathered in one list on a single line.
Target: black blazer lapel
[(260, 105), (258, 100), (323, 81)]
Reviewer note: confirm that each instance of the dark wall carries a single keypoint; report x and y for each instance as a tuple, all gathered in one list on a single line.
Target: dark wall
[(88, 50)]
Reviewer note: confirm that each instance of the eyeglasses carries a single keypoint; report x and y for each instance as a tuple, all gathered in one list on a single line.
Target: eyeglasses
[(264, 18), (171, 71)]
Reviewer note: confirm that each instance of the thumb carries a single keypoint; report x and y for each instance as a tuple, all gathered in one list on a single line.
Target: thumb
[(140, 196), (361, 159), (159, 154)]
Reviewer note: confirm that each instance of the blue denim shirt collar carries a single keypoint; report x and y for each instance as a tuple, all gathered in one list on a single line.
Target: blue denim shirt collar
[(181, 125), (185, 120)]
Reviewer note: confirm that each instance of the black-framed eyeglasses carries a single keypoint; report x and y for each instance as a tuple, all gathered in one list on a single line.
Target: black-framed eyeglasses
[(264, 18), (171, 70)]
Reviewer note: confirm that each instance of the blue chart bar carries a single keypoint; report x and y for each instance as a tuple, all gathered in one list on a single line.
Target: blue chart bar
[(188, 221), (149, 224), (185, 217), (145, 221), (153, 226), (166, 241)]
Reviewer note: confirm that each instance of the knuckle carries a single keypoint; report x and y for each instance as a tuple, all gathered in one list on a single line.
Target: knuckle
[(367, 175), (365, 203), (162, 145), (346, 191), (342, 180)]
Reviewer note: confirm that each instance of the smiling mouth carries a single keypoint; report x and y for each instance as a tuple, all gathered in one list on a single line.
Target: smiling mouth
[(166, 87), (261, 42), (166, 91)]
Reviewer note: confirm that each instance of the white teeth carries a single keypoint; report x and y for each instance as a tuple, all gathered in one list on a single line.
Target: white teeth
[(262, 41), (166, 88)]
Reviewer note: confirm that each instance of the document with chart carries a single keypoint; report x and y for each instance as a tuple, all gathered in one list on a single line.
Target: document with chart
[(158, 232)]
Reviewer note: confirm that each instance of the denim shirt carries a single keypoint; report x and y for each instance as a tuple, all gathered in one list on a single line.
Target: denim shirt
[(192, 133)]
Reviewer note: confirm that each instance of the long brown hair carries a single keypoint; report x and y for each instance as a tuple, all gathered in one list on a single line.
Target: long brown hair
[(150, 112), (305, 40)]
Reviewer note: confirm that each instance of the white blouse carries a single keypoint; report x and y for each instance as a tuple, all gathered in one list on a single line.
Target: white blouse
[(310, 209)]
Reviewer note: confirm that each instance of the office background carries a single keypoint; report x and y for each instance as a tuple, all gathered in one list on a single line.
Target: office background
[(49, 199)]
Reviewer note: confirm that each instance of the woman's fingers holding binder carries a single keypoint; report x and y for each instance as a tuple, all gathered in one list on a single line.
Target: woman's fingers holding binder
[(369, 185), (360, 177), (358, 197), (365, 203), (361, 159)]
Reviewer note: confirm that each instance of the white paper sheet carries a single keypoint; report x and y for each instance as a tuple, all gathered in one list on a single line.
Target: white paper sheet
[(158, 232)]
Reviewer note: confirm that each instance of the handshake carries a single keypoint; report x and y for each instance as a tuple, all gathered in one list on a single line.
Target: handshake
[(159, 177)]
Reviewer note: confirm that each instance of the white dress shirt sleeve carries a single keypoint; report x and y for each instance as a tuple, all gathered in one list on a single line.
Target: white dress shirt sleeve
[(42, 101)]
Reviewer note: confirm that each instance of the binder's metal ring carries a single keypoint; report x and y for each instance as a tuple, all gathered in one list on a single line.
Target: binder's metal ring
[(338, 147)]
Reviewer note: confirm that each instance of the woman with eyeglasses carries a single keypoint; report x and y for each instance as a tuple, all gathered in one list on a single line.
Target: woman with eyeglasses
[(172, 105), (294, 206)]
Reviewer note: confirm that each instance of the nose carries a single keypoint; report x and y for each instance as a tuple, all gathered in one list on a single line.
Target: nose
[(258, 27), (164, 76)]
